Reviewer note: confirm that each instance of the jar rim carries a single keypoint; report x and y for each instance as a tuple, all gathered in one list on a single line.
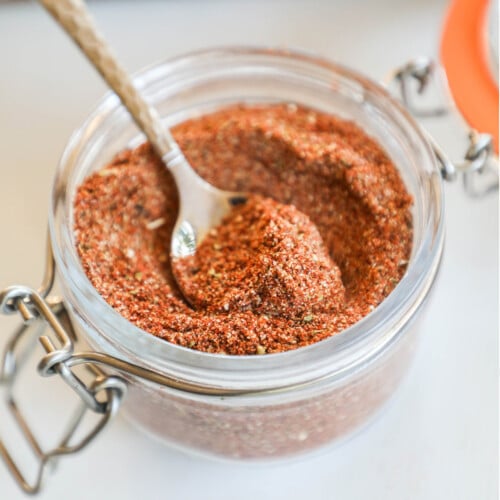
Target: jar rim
[(337, 354)]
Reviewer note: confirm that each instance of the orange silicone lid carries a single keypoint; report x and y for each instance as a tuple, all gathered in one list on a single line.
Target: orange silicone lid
[(464, 54)]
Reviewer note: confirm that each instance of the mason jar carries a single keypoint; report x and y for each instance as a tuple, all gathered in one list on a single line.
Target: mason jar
[(277, 405)]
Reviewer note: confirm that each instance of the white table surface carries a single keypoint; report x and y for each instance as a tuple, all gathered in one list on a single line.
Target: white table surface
[(438, 437)]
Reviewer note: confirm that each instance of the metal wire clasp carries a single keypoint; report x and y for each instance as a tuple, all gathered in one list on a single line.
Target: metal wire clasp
[(102, 396), (479, 167)]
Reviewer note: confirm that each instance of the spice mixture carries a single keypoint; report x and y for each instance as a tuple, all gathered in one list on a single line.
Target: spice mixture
[(265, 257), (324, 241)]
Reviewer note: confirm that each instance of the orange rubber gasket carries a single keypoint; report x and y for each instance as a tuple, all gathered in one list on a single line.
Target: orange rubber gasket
[(464, 55)]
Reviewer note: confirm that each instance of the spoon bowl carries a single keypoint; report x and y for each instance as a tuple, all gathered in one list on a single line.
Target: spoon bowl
[(201, 207)]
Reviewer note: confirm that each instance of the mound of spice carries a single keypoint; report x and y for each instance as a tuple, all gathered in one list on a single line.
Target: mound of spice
[(265, 257), (331, 243)]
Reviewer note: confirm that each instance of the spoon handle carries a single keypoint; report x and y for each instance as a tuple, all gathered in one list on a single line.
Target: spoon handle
[(75, 18)]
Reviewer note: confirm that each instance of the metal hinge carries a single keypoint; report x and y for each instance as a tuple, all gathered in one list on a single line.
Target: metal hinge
[(479, 166), (102, 395)]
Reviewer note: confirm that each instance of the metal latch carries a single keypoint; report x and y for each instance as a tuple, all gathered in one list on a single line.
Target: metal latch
[(479, 166), (102, 396)]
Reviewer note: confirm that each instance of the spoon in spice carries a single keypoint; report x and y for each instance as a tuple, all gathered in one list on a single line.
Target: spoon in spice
[(201, 205)]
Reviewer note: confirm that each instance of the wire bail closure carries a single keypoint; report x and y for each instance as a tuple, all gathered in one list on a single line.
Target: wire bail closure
[(35, 310), (39, 310), (478, 159)]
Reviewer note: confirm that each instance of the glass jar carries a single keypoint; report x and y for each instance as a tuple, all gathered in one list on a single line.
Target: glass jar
[(285, 403)]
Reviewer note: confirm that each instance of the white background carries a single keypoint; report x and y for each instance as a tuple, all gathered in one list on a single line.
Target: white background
[(438, 437)]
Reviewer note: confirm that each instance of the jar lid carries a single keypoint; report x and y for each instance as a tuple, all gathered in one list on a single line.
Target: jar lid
[(469, 53)]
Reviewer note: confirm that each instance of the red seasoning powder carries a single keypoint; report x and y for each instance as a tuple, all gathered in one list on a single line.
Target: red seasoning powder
[(267, 258), (323, 241)]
